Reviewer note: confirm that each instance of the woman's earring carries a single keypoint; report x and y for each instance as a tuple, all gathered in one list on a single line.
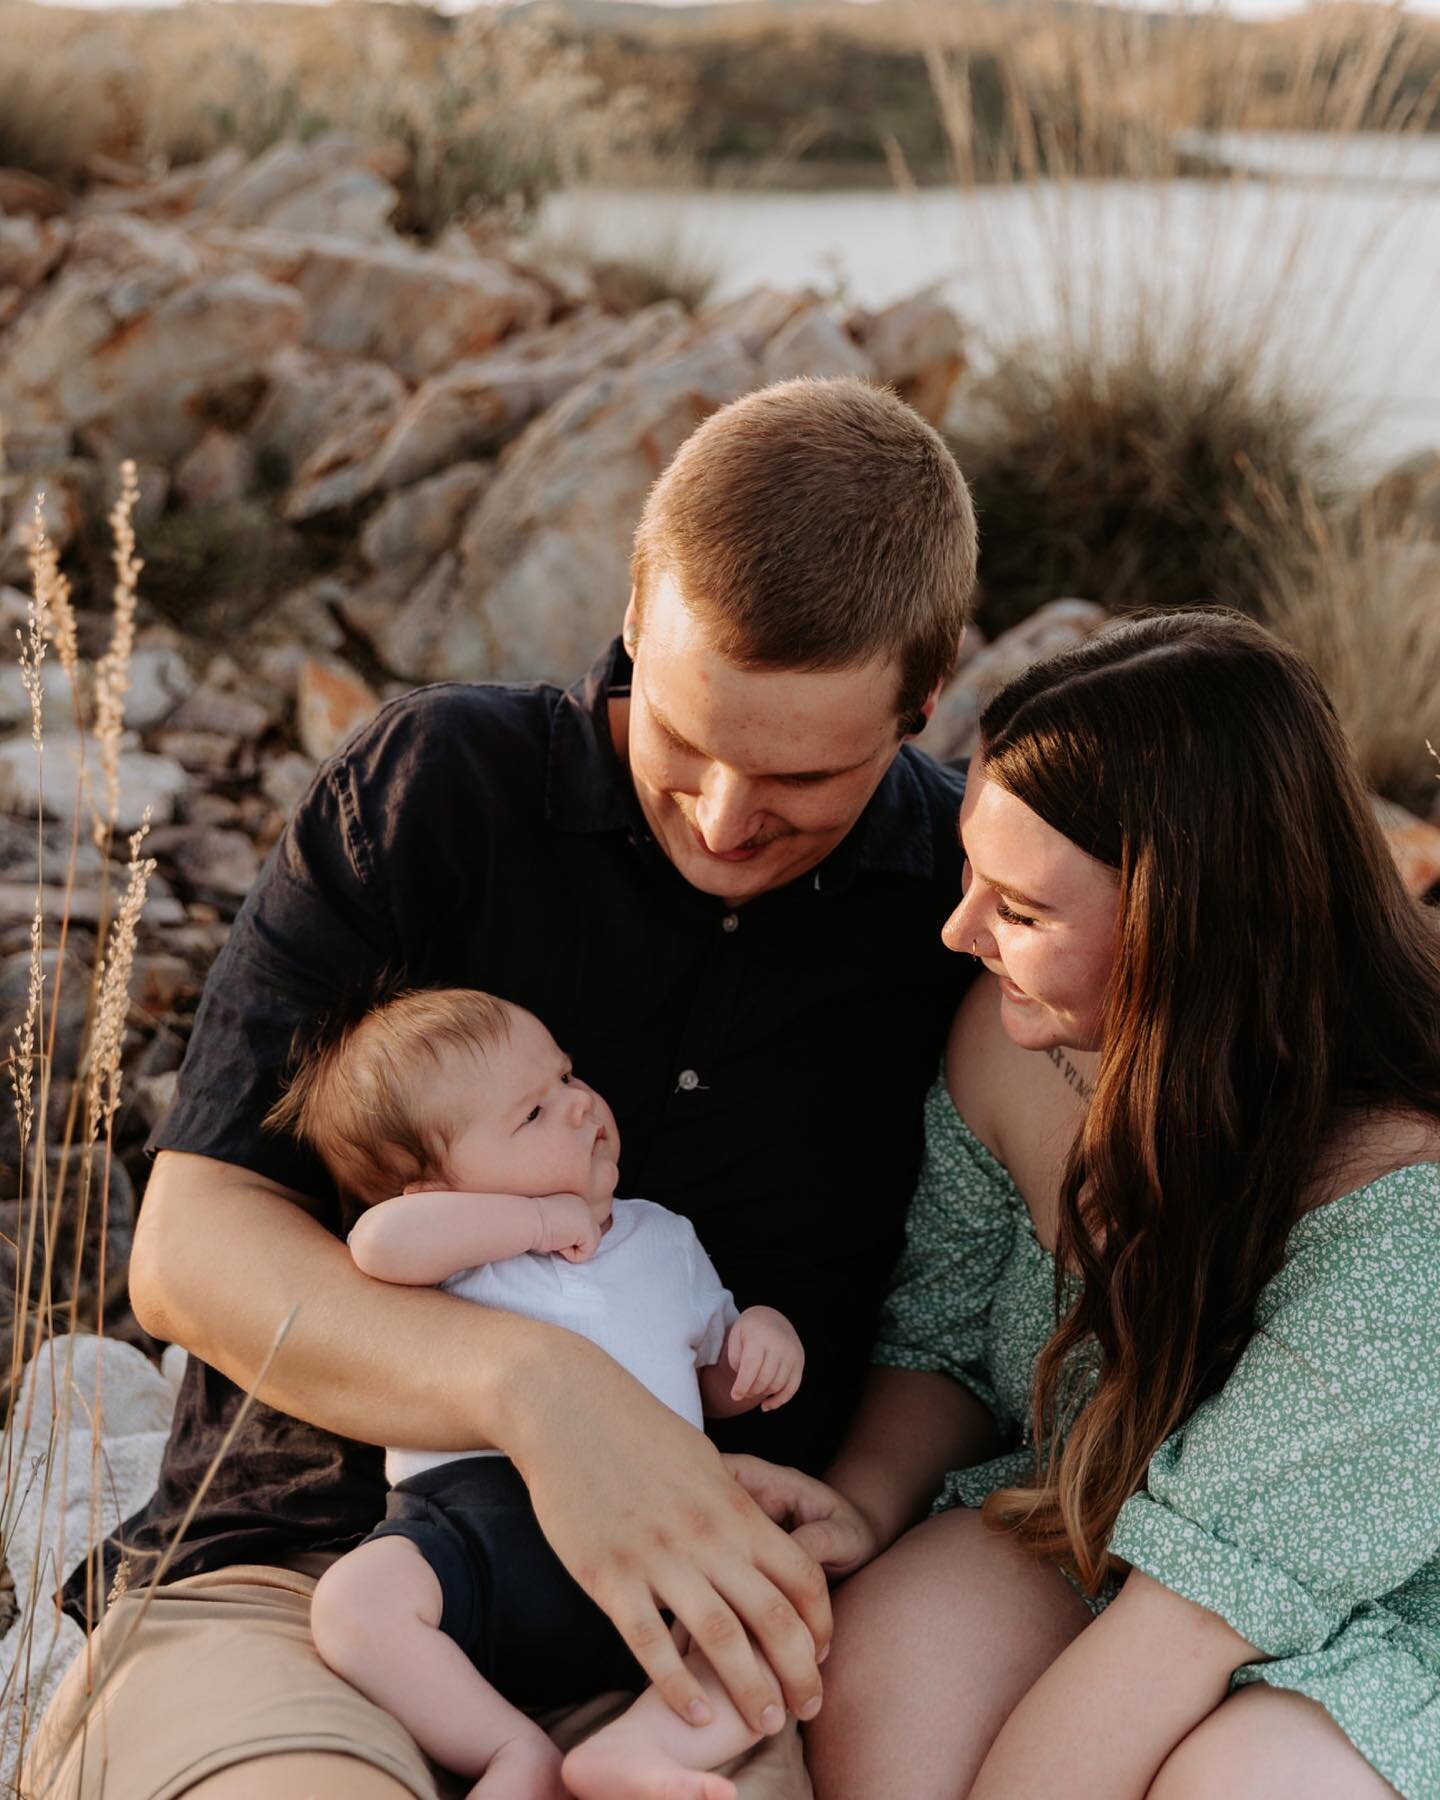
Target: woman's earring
[(973, 951)]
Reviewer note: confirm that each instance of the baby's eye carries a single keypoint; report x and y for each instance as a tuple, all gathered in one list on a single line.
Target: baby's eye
[(566, 1077), (1011, 918), (532, 1115)]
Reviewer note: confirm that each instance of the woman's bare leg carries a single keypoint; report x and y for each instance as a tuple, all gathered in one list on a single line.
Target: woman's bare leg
[(935, 1643), (1265, 1744)]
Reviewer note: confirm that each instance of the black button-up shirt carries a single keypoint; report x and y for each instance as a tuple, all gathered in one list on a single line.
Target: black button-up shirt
[(766, 1064)]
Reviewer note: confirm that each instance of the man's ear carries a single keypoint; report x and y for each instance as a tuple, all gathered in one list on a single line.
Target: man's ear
[(916, 722), (630, 627)]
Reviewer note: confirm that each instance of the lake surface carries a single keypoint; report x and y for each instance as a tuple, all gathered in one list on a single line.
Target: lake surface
[(1323, 261)]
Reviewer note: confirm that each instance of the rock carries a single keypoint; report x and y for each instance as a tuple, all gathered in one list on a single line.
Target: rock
[(215, 864), (160, 678), (220, 467), (159, 979), (423, 521), (1408, 497), (62, 507), (332, 703), (18, 899), (135, 339), (145, 780), (952, 731), (813, 342), (340, 474), (544, 559), (1415, 845), (30, 248), (324, 186), (918, 348), (202, 752), (22, 192), (415, 310), (217, 709), (482, 403), (66, 1018), (153, 1095), (286, 781), (404, 616), (56, 702), (308, 397), (754, 318)]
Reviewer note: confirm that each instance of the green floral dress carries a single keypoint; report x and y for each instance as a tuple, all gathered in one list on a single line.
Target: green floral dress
[(1302, 1502)]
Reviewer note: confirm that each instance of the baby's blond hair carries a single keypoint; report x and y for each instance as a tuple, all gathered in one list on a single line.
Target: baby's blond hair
[(359, 1098)]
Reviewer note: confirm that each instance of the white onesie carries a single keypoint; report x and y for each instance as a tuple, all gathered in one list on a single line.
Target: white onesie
[(650, 1296)]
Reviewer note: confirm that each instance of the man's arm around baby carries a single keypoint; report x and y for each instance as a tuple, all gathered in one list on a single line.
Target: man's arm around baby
[(637, 1505)]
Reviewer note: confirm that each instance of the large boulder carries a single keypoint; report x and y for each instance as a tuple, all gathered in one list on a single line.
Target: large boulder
[(813, 342), (953, 730), (308, 397), (138, 335), (479, 405), (545, 559), (335, 185), (413, 309), (917, 347)]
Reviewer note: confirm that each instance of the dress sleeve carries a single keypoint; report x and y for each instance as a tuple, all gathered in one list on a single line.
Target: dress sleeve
[(959, 1234), (1307, 1485)]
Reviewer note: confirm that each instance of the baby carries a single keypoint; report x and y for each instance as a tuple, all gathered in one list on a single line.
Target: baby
[(488, 1167)]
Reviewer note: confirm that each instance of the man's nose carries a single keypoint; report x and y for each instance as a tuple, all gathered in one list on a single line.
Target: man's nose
[(725, 810)]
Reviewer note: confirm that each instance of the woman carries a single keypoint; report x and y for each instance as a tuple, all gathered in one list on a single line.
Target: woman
[(1188, 1538)]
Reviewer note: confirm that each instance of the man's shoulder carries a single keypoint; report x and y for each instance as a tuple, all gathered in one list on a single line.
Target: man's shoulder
[(941, 783), (460, 716)]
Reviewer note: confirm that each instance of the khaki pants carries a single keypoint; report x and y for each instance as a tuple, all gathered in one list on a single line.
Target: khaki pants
[(221, 1671)]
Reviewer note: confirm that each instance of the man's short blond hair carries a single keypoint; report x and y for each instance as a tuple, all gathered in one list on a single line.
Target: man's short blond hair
[(818, 525), (359, 1098)]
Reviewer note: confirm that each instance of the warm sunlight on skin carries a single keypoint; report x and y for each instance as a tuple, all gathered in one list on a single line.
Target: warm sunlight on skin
[(748, 778), (1040, 914), (532, 1126)]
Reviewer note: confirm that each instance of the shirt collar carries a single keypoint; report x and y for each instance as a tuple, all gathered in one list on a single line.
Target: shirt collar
[(588, 788)]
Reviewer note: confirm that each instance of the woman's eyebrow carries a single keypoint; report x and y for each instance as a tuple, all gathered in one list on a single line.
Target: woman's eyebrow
[(1002, 887)]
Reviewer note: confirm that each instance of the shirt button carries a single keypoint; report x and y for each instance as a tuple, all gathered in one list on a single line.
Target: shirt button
[(731, 922), (688, 1081)]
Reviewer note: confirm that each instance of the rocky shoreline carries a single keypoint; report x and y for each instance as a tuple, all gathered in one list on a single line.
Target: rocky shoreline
[(362, 465)]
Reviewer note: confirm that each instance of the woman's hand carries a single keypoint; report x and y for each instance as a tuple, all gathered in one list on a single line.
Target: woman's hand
[(835, 1532)]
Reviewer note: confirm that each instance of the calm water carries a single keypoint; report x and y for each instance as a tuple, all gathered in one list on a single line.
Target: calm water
[(1326, 261)]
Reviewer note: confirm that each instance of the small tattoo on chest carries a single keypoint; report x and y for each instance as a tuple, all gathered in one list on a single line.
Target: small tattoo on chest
[(1085, 1089)]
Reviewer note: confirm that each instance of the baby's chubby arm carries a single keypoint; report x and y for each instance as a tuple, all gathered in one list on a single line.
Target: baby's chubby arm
[(427, 1234), (761, 1364)]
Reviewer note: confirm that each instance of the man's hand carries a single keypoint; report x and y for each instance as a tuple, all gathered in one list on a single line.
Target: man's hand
[(765, 1352), (565, 1226), (640, 1509), (835, 1532)]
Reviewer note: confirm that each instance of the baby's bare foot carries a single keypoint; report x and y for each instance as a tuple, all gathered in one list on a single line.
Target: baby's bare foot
[(525, 1768), (597, 1770)]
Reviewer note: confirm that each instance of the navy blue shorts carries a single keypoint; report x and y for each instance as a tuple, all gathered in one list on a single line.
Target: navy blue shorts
[(509, 1602)]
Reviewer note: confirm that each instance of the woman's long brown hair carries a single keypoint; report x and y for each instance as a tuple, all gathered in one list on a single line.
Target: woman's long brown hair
[(1270, 975)]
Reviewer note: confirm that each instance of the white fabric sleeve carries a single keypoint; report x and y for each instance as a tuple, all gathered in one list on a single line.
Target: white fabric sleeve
[(714, 1306)]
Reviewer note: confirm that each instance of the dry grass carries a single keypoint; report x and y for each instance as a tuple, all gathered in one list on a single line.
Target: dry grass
[(1143, 440), (490, 110)]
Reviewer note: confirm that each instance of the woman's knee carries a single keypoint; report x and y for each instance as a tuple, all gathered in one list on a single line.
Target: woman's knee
[(1265, 1744), (301, 1775)]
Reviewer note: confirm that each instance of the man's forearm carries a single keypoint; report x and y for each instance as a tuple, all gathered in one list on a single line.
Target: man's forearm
[(221, 1259)]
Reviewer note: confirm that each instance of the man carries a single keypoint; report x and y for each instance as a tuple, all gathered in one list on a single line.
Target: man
[(719, 874)]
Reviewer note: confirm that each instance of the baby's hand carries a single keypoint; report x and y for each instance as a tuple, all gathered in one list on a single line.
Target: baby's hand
[(767, 1356), (566, 1227)]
